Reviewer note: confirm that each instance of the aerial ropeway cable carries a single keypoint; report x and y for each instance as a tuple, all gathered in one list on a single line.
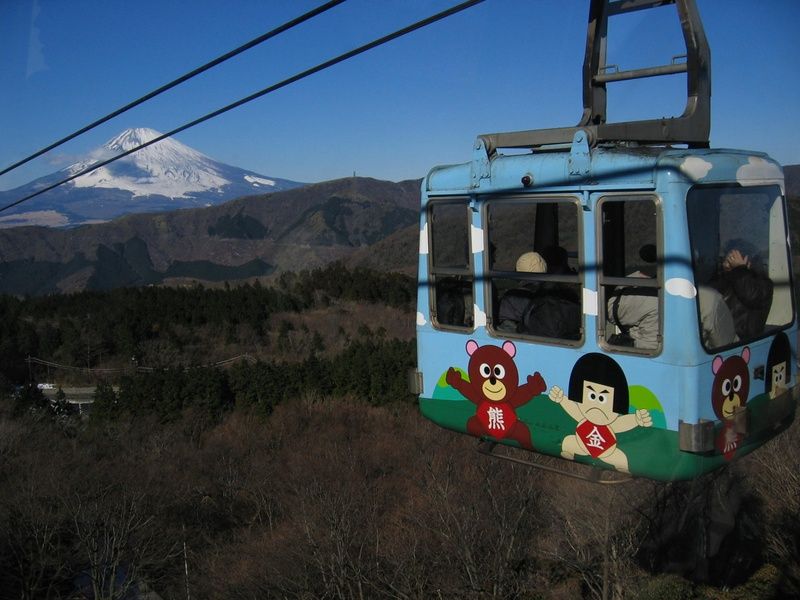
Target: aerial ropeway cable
[(281, 84), (228, 55)]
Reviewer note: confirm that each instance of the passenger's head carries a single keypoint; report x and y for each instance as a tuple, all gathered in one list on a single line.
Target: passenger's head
[(743, 246), (648, 253), (649, 256), (531, 262), (739, 252)]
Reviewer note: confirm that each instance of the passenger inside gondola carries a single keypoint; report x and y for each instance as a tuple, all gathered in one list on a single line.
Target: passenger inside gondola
[(746, 288), (532, 255), (716, 320), (539, 308), (741, 263), (630, 274), (634, 310)]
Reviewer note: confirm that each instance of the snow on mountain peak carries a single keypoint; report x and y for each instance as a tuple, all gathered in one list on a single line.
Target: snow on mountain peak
[(165, 175), (131, 138)]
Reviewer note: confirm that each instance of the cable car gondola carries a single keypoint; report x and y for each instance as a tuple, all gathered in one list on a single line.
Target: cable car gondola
[(619, 294)]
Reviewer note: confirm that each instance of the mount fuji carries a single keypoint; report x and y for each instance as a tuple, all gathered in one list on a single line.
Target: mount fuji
[(164, 176)]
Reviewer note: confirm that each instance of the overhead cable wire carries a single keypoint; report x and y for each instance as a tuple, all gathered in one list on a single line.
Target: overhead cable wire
[(252, 43), (320, 67), (48, 363)]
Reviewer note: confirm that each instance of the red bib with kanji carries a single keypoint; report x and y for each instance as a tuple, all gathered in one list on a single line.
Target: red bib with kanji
[(596, 438), (497, 418)]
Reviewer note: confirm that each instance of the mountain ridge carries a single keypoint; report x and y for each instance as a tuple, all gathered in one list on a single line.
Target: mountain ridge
[(254, 236), (358, 220)]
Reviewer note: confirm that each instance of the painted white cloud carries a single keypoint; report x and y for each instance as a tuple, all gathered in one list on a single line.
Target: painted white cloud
[(421, 321), (477, 239), (757, 170), (678, 286), (480, 317), (423, 240), (695, 168), (589, 302)]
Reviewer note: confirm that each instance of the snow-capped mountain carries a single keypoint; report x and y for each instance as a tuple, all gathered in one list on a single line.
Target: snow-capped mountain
[(163, 176)]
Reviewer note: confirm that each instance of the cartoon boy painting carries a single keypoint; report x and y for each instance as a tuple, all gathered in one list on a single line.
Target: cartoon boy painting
[(598, 401), (779, 366)]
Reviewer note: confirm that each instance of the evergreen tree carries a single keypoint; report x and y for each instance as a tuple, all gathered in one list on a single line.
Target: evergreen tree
[(106, 404)]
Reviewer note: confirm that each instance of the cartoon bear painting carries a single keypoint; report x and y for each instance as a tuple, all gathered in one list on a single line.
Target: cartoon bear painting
[(598, 402), (494, 388), (729, 394)]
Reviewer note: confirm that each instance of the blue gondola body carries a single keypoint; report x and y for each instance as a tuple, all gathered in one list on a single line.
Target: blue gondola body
[(673, 425)]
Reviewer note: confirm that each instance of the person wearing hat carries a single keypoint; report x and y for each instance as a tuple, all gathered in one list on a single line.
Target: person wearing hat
[(539, 308), (531, 262)]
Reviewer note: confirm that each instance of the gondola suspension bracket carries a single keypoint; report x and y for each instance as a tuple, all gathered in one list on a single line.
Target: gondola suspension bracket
[(480, 168), (580, 158)]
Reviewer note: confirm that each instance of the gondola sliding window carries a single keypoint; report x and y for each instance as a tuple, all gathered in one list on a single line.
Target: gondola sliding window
[(630, 273), (450, 265), (532, 268)]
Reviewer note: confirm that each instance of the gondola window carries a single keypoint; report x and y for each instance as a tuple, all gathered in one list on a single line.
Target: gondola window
[(450, 264), (532, 269), (741, 263), (631, 273)]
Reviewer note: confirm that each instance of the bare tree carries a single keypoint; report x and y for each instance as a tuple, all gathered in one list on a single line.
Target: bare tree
[(775, 474), (116, 537), (36, 533), (594, 533)]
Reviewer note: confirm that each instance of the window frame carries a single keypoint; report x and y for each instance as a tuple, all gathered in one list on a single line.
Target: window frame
[(435, 272), (490, 274), (603, 281)]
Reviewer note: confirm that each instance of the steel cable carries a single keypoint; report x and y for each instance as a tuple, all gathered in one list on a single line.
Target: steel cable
[(302, 75)]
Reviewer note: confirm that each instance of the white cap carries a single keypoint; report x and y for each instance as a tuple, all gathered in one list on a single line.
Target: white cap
[(531, 262)]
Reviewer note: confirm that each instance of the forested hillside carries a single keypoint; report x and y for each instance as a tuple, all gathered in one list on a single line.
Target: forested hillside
[(316, 312), (303, 469)]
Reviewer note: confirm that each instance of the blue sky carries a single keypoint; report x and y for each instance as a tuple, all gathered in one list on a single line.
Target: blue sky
[(392, 113)]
